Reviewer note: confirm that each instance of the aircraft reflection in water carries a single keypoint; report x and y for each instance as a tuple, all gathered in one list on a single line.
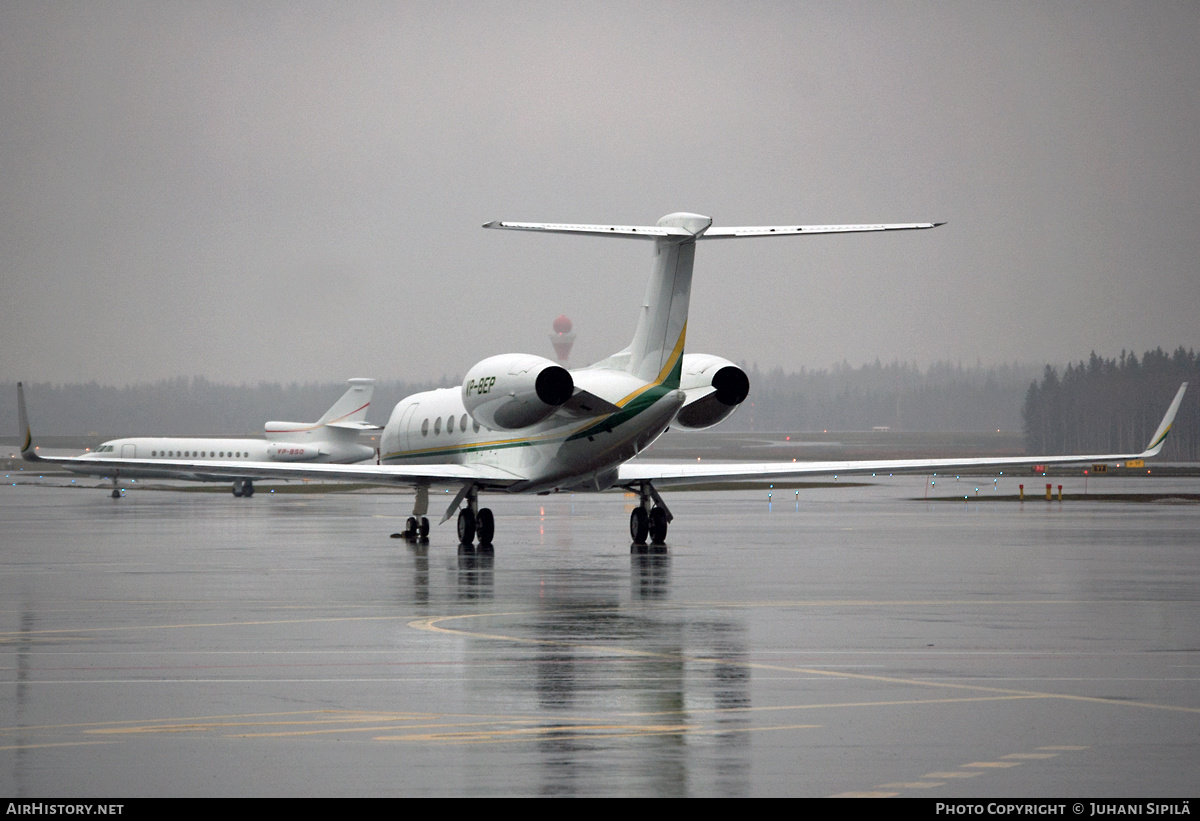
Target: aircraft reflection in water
[(520, 423)]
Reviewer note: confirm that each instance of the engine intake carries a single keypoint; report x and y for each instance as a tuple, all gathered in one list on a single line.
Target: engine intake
[(515, 390), (715, 388)]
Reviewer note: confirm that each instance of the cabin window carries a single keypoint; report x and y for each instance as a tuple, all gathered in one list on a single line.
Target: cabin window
[(475, 427), (462, 423), (437, 426), (449, 424), (425, 428)]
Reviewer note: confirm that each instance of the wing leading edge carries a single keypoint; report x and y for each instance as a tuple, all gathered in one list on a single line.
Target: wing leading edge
[(666, 474)]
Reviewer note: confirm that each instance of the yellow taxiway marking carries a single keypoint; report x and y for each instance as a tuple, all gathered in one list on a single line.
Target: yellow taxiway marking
[(938, 779), (866, 794), (993, 764), (582, 731), (52, 744), (434, 624), (27, 634)]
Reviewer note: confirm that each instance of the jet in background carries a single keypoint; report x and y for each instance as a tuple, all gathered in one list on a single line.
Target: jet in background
[(520, 423), (331, 439)]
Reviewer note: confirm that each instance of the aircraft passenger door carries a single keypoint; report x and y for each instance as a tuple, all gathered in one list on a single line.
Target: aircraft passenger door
[(128, 451), (406, 421)]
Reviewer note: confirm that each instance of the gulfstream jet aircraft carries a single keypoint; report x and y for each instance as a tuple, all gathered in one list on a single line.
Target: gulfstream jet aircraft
[(520, 423), (332, 438)]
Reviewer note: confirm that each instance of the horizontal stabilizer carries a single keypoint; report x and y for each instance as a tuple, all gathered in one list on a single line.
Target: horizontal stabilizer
[(629, 231), (793, 230), (353, 426), (705, 232)]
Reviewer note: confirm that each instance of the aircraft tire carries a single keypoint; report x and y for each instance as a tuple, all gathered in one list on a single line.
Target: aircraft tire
[(248, 489), (237, 488), (410, 528), (485, 526), (116, 494), (658, 525), (423, 528), (466, 526), (639, 525)]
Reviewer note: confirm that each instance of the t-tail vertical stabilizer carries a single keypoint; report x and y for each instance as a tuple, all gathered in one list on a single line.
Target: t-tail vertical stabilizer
[(656, 353)]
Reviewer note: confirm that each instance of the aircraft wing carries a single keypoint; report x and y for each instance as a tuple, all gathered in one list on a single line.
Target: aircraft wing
[(666, 474), (393, 475)]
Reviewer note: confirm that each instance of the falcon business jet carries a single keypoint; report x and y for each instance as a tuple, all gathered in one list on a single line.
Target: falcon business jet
[(520, 423), (332, 438)]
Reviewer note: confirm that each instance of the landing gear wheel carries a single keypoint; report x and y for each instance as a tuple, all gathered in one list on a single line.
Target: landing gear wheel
[(485, 526), (237, 488), (423, 528), (410, 529), (466, 526), (116, 494), (248, 489), (639, 525), (658, 525)]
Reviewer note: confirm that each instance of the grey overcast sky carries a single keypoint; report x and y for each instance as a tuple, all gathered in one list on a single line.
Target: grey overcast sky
[(294, 191)]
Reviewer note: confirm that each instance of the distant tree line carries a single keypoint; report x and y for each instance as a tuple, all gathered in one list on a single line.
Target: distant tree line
[(182, 406), (1114, 405), (900, 396)]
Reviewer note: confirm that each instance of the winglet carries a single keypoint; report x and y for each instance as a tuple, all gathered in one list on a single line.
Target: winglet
[(1160, 435), (28, 452)]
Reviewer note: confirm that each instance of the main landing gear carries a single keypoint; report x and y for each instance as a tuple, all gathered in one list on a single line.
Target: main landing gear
[(116, 491), (479, 523), (416, 528), (649, 519), (474, 522), (243, 487)]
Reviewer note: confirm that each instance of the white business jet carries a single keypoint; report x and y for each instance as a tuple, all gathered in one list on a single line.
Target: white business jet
[(520, 423), (331, 439)]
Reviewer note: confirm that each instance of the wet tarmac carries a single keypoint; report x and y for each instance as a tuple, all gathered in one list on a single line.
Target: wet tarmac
[(841, 641)]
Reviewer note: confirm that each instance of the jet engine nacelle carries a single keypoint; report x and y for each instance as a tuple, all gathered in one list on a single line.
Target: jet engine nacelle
[(715, 387), (515, 390)]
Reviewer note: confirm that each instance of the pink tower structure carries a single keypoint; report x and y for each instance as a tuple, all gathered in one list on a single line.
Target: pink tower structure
[(562, 339)]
